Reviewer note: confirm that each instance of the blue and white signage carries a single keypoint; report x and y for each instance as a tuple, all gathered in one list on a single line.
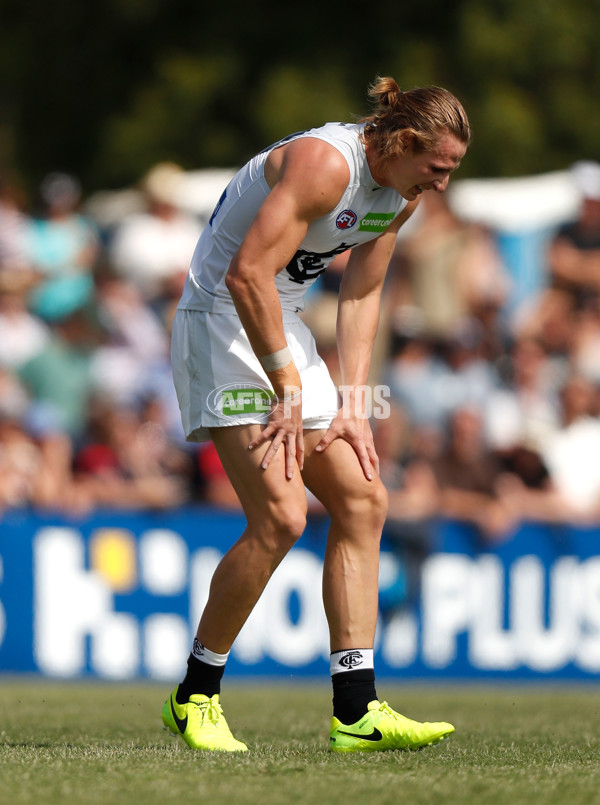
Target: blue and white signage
[(119, 595)]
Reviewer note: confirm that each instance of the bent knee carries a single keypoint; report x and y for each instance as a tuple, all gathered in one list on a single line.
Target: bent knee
[(369, 500), (289, 520), (281, 523)]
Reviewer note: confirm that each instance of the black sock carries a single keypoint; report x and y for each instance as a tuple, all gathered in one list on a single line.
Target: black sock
[(200, 678), (352, 692)]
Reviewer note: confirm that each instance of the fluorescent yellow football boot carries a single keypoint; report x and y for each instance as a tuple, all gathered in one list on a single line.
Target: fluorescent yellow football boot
[(382, 728), (201, 723)]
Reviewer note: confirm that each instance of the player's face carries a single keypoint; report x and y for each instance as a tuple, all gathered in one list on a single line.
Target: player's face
[(413, 172)]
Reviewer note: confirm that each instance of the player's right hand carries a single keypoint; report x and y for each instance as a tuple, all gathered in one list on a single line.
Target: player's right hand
[(284, 428)]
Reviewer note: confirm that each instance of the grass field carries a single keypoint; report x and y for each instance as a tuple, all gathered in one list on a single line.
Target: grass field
[(98, 743)]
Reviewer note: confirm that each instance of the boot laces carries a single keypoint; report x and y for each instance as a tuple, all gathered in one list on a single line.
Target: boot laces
[(388, 711), (210, 711)]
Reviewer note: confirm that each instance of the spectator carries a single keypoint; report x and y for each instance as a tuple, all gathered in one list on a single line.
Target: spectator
[(129, 462), (453, 267), (14, 401), (19, 465), (467, 474), (13, 230), (153, 249), (135, 346), (405, 467), (35, 469), (469, 379), (430, 380), (551, 322), (571, 451), (58, 378), (415, 373), (62, 247), (574, 254), (22, 335), (526, 408), (584, 340)]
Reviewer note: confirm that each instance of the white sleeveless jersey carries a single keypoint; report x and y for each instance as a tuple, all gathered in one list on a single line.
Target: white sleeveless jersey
[(364, 212)]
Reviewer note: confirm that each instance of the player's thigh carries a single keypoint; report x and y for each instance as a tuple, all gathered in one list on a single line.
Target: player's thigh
[(336, 478), (262, 492)]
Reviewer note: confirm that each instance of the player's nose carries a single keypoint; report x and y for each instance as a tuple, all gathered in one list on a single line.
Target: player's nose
[(439, 185)]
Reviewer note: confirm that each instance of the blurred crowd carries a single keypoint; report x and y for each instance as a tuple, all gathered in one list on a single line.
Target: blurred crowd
[(494, 415)]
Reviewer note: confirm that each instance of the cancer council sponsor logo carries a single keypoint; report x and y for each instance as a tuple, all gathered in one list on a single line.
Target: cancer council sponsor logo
[(346, 219), (236, 399)]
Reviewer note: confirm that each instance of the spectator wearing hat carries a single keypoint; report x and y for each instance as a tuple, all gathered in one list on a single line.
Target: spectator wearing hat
[(153, 248)]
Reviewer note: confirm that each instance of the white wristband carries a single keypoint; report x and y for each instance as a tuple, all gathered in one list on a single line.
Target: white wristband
[(276, 360)]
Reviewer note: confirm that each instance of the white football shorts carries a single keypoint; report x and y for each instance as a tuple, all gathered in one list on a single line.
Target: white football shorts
[(220, 382)]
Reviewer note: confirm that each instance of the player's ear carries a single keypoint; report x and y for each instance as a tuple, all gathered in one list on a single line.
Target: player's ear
[(402, 142), (408, 141)]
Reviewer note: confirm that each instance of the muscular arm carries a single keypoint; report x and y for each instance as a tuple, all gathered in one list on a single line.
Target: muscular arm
[(307, 179), (358, 317), (358, 307), (358, 304)]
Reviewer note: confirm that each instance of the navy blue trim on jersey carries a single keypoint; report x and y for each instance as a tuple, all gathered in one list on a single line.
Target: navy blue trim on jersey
[(219, 205)]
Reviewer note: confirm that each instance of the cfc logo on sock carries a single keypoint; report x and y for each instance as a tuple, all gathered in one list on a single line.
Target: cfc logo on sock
[(352, 659)]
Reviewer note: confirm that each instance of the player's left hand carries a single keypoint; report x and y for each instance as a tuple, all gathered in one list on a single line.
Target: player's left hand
[(357, 432)]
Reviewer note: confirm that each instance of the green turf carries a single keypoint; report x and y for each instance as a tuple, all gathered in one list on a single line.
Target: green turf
[(86, 743)]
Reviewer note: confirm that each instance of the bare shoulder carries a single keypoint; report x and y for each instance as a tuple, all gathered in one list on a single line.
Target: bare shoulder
[(312, 169)]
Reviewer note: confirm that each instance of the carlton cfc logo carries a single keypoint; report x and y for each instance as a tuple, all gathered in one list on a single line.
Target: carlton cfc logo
[(345, 219), (352, 659)]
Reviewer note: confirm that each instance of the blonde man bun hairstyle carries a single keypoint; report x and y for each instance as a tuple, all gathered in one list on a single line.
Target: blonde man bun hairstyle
[(413, 119)]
